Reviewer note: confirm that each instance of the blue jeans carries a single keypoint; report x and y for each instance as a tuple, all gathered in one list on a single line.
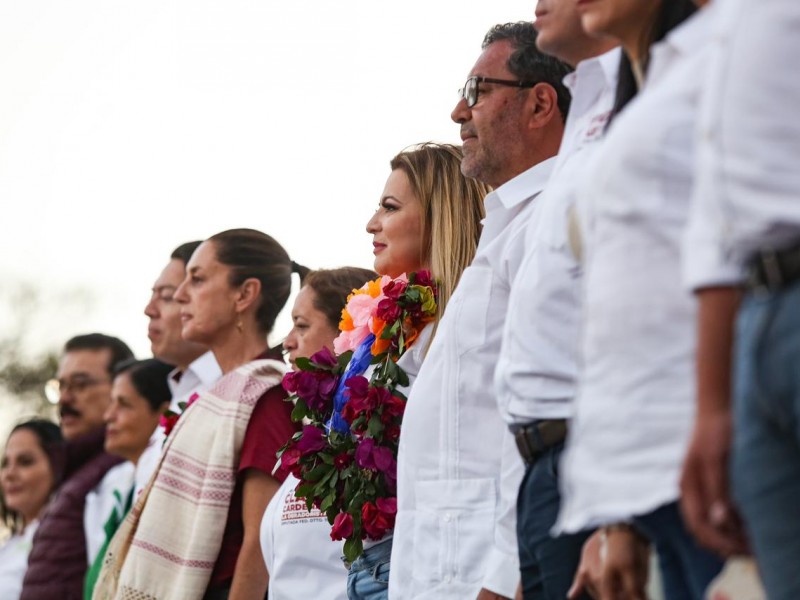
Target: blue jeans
[(686, 568), (369, 574), (547, 564), (765, 466)]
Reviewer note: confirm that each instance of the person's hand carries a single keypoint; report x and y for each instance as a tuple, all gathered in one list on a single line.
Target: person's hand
[(625, 559), (518, 595), (705, 499), (590, 570), (485, 594)]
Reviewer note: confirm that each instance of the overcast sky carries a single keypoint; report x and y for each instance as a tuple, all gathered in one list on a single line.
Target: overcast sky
[(129, 127)]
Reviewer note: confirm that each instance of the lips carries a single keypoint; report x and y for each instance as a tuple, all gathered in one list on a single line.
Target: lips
[(467, 135), (377, 247), (66, 412), (153, 333)]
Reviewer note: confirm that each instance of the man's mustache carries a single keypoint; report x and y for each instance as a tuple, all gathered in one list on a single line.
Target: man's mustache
[(68, 411)]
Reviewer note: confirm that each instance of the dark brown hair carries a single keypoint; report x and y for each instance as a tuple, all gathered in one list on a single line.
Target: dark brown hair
[(253, 254), (333, 286), (99, 341)]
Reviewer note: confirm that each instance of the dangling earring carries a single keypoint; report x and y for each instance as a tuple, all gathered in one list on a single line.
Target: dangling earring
[(240, 325)]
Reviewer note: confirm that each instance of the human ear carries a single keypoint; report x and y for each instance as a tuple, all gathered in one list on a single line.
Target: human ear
[(542, 105), (248, 294)]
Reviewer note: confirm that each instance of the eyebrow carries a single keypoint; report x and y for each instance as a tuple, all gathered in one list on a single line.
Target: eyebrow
[(161, 288), (387, 196)]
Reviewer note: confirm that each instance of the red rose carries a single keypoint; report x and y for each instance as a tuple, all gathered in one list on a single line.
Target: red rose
[(375, 521), (342, 527), (168, 421), (342, 461)]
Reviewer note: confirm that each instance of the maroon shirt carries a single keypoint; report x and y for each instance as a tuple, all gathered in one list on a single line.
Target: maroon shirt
[(270, 427)]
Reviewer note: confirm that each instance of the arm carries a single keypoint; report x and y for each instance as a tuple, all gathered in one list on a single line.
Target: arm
[(705, 500), (250, 578)]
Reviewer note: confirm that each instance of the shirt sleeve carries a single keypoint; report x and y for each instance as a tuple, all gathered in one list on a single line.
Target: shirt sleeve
[(502, 569), (270, 427)]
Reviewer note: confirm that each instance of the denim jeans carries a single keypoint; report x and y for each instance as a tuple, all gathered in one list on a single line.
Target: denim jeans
[(765, 466), (547, 563), (369, 574), (686, 568)]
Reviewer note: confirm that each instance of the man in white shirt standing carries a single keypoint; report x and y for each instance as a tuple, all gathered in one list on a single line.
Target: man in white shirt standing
[(195, 366), (537, 368), (458, 469), (743, 255)]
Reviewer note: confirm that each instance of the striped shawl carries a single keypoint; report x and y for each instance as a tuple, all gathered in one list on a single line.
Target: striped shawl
[(167, 546)]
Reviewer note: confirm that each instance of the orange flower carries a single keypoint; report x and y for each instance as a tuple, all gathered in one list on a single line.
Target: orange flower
[(346, 323)]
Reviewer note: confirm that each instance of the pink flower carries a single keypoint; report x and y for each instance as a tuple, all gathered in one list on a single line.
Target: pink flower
[(342, 527), (377, 458), (168, 422), (350, 340)]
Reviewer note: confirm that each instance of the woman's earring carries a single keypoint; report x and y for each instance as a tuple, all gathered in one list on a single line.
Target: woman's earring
[(240, 325)]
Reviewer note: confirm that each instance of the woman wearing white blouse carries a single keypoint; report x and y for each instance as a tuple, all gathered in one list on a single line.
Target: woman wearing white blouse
[(635, 406), (27, 480)]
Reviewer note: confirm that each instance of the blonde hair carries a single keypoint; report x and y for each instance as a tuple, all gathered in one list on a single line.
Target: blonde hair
[(452, 210)]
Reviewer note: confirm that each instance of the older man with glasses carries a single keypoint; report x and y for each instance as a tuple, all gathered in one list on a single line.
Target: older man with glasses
[(59, 558)]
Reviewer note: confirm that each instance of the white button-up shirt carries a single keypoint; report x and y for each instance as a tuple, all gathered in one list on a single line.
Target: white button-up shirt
[(635, 405), (458, 467), (201, 374), (538, 363), (747, 196)]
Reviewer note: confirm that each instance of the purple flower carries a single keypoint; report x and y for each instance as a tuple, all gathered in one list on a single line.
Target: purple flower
[(324, 357), (376, 458), (312, 440)]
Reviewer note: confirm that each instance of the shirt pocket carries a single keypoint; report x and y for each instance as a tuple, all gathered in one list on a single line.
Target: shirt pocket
[(472, 308), (453, 531)]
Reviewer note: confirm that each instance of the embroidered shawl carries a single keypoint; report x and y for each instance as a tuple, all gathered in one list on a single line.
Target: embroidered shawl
[(167, 546)]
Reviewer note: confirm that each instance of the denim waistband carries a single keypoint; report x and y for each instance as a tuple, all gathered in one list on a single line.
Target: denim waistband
[(373, 556)]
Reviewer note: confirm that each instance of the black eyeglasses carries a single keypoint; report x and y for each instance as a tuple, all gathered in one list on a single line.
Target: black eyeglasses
[(470, 90)]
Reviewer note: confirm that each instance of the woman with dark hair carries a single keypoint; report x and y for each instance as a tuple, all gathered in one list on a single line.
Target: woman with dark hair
[(215, 478), (288, 529), (29, 473), (139, 396), (634, 411)]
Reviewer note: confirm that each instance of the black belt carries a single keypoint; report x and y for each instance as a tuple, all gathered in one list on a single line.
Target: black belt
[(533, 439), (772, 270)]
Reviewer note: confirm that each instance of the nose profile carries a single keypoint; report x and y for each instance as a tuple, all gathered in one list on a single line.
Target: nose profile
[(461, 112), (373, 225), (150, 310), (180, 294)]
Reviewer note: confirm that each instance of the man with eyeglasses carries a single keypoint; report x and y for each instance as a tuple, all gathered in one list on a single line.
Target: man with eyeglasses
[(60, 555), (458, 467), (195, 366)]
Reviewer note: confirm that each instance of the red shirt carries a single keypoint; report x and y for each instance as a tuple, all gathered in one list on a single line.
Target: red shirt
[(270, 427)]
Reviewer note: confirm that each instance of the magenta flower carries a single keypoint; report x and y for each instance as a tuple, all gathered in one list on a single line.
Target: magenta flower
[(342, 527), (312, 440)]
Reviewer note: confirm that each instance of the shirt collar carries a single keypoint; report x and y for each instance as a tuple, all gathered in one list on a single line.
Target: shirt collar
[(607, 64), (692, 33), (524, 186), (204, 368)]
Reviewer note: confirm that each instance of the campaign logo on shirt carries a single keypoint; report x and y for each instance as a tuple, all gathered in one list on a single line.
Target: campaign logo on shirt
[(295, 512), (597, 127)]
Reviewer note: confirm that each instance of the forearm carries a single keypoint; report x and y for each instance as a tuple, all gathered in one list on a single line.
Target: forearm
[(250, 578), (716, 315)]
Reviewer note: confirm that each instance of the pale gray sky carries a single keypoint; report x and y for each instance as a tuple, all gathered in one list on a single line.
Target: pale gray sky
[(128, 127)]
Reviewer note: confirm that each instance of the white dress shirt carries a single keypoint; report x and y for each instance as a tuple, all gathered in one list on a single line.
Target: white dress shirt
[(747, 196), (458, 467), (200, 375), (635, 405), (538, 362)]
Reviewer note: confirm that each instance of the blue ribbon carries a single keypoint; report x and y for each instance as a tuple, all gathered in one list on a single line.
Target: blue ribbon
[(361, 359)]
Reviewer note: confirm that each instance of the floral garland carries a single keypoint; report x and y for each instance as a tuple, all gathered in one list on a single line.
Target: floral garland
[(346, 454)]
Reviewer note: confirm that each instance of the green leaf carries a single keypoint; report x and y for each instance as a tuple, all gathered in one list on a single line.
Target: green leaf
[(375, 426), (353, 548), (327, 502), (326, 458), (303, 363), (300, 410)]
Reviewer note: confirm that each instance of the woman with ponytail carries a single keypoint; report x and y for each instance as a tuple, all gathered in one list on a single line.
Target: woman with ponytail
[(194, 531)]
